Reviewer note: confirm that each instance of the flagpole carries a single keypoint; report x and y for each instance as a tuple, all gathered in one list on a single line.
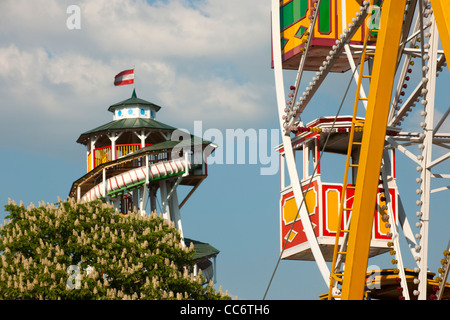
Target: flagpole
[(134, 82)]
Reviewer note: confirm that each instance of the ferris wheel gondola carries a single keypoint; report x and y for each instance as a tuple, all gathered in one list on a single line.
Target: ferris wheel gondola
[(383, 45)]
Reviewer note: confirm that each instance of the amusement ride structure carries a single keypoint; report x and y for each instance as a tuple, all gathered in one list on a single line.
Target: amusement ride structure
[(132, 157), (391, 51)]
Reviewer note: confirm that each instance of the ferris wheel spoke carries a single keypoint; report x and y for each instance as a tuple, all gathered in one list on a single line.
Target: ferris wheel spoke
[(441, 121), (418, 40), (407, 61), (392, 224), (413, 98), (406, 228), (289, 153), (429, 81), (294, 109)]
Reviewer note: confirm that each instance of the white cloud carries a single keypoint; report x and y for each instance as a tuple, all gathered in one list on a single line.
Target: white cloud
[(197, 58), (212, 29), (200, 60), (32, 77)]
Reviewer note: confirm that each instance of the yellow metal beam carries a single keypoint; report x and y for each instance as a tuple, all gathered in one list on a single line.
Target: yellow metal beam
[(372, 148), (441, 11)]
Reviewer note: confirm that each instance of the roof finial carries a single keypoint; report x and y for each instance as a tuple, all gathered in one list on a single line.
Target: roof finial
[(134, 93)]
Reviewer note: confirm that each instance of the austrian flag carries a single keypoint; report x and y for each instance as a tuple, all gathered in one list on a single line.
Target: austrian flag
[(124, 77)]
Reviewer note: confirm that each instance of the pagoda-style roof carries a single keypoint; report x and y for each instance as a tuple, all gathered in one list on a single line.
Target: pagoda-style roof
[(129, 123), (134, 100)]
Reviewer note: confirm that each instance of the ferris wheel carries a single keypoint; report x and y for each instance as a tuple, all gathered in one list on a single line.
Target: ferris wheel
[(391, 52)]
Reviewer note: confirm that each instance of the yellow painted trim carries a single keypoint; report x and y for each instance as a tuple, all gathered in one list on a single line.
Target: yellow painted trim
[(90, 161), (311, 201), (332, 210), (441, 11), (372, 149), (290, 209)]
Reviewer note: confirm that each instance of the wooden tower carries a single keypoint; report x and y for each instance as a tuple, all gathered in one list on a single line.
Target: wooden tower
[(134, 160)]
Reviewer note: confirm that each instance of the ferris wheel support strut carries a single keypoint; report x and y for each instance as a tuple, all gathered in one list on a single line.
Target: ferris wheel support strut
[(298, 194), (425, 177), (383, 74), (394, 227)]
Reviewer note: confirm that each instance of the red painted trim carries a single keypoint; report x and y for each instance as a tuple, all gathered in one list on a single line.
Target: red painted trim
[(101, 148), (291, 53), (324, 206), (300, 238), (151, 173), (394, 169), (129, 174), (303, 139), (157, 169), (318, 153), (171, 166)]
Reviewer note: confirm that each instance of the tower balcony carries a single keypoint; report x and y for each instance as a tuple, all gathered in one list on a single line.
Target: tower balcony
[(112, 152)]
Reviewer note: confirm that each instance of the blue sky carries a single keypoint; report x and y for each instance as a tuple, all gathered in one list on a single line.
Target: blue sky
[(200, 60)]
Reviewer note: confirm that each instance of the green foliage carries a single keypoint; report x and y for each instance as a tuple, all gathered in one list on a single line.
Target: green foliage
[(88, 251)]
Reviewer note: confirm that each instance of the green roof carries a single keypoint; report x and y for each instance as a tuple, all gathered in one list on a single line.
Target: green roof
[(202, 250), (134, 100), (170, 144), (129, 123)]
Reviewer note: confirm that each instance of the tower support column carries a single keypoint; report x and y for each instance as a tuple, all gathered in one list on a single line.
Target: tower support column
[(152, 193), (175, 210), (113, 137), (164, 201)]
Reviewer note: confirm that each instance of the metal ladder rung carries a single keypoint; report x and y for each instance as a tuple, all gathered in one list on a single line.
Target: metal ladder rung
[(357, 126), (337, 276)]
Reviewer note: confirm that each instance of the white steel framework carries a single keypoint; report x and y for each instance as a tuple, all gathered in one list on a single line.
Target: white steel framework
[(419, 45)]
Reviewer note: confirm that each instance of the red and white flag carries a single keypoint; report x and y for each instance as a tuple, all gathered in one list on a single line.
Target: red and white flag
[(124, 77)]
